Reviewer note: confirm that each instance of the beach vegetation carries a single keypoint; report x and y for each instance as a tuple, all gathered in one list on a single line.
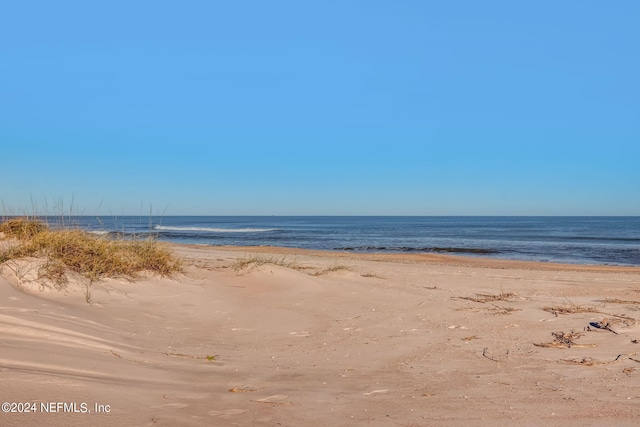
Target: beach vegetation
[(92, 256), (22, 228), (564, 340), (331, 269), (570, 309), (484, 298), (249, 263), (257, 261)]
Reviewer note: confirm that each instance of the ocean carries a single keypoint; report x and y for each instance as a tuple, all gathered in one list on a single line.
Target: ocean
[(576, 240)]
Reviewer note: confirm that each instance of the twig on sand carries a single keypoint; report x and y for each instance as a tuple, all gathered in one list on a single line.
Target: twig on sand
[(571, 309), (587, 361), (618, 301), (241, 390), (484, 353), (483, 298), (502, 310)]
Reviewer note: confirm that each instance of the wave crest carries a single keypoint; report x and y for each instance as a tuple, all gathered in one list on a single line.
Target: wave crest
[(213, 229)]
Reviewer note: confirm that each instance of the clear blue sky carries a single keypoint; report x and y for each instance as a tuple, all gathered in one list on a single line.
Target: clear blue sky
[(321, 107)]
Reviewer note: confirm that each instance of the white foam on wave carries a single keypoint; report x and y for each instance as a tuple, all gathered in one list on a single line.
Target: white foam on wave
[(214, 229), (99, 232)]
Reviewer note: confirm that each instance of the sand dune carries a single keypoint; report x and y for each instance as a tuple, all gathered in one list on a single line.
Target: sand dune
[(328, 339)]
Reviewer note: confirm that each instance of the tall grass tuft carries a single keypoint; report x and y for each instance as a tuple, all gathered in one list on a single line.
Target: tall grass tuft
[(22, 228), (90, 255)]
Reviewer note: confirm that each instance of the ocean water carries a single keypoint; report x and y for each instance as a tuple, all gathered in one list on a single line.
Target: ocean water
[(578, 240)]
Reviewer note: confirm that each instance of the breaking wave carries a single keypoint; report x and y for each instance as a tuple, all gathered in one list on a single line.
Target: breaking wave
[(213, 229)]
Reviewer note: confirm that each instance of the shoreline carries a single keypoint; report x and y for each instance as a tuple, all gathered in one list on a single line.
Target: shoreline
[(600, 241), (424, 258)]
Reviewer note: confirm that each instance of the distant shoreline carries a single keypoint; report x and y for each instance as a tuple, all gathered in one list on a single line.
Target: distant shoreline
[(424, 258)]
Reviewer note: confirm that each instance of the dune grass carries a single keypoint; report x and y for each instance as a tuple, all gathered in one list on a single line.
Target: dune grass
[(90, 255), (22, 228), (257, 261), (331, 269)]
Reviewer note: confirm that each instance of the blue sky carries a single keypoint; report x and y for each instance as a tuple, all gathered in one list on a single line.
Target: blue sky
[(321, 107)]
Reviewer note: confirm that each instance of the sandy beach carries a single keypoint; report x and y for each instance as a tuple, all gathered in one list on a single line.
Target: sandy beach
[(274, 336)]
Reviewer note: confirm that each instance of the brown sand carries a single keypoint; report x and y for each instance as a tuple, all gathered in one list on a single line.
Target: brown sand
[(326, 338)]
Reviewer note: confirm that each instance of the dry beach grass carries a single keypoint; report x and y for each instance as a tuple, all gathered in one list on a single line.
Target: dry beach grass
[(91, 256)]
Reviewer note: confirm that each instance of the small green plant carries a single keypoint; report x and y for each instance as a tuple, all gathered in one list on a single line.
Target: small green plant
[(211, 358)]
